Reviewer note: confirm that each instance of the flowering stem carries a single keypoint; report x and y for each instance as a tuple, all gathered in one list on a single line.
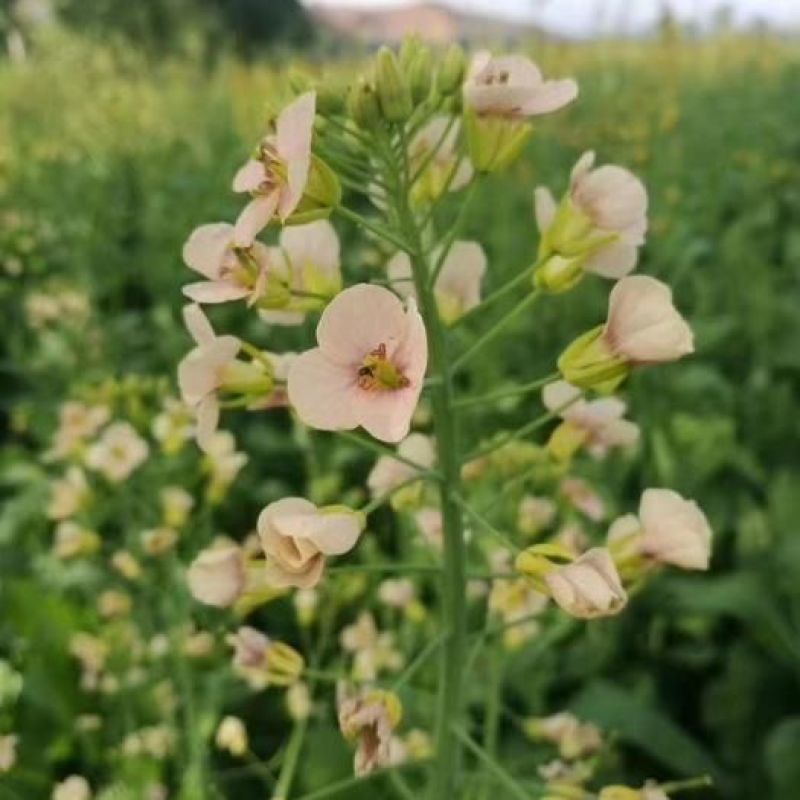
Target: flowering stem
[(378, 230), (487, 526), (529, 427), (502, 394), (491, 721), (496, 329), (449, 702)]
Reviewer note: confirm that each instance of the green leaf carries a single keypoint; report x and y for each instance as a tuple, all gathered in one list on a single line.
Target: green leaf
[(780, 758)]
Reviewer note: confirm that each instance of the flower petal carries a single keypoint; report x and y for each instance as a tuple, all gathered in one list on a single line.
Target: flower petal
[(249, 177), (550, 96), (295, 126), (545, 207), (214, 292), (197, 324), (255, 216), (323, 392), (206, 248), (613, 261)]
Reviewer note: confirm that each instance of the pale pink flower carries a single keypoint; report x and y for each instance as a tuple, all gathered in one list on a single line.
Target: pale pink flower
[(513, 86), (201, 373), (75, 787), (643, 326), (534, 514), (218, 575), (368, 369), (675, 530), (308, 262), (589, 586), (68, 494), (458, 285), (231, 273), (118, 452), (389, 473), (77, 422), (277, 178), (584, 498), (600, 422), (431, 526), (445, 166), (613, 205), (297, 536)]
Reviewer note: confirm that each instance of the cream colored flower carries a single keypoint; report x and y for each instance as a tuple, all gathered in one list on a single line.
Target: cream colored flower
[(127, 566), (298, 701), (173, 426), (176, 503), (75, 787), (517, 603), (118, 452), (297, 537), (223, 462), (513, 87), (218, 575), (588, 587), (581, 495), (458, 285), (389, 473), (114, 603), (369, 719), (77, 422), (434, 149), (156, 541), (69, 494), (368, 368), (263, 662), (8, 752), (674, 531), (534, 514), (373, 651), (73, 541), (575, 739), (231, 736)]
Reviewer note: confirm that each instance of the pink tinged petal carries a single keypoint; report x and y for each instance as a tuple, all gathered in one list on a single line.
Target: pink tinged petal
[(322, 392), (274, 317), (331, 533), (464, 174), (582, 167), (198, 371), (207, 420), (615, 199), (358, 320), (207, 247), (387, 415), (562, 398), (250, 176), (214, 292), (550, 96), (292, 193), (315, 243), (308, 578), (399, 272), (545, 208), (255, 216), (198, 325), (295, 128), (643, 325), (613, 261), (462, 273)]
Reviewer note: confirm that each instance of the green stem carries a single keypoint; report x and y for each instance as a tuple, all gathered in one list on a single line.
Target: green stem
[(497, 294), (350, 783), (491, 723), (487, 526), (455, 229), (382, 450), (496, 329), (492, 766), (426, 652), (449, 702), (502, 394), (378, 230), (290, 761), (501, 441)]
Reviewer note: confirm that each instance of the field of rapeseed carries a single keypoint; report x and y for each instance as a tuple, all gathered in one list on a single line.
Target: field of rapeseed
[(124, 671)]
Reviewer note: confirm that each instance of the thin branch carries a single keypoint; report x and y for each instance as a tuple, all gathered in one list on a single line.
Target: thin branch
[(502, 394), (383, 450)]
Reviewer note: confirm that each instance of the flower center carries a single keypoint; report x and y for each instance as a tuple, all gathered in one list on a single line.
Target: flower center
[(378, 374)]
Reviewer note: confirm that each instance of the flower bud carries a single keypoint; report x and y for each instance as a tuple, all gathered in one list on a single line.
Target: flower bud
[(284, 664), (322, 194), (231, 736), (589, 363), (394, 93), (451, 73), (559, 274), (419, 75), (363, 106), (495, 142)]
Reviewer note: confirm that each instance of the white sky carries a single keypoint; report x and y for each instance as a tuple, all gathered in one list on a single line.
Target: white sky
[(586, 17)]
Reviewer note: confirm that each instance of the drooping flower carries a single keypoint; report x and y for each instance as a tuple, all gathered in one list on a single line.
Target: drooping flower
[(575, 739), (458, 285), (513, 87), (668, 530), (588, 587), (369, 719), (277, 177), (212, 367), (434, 150), (643, 327), (369, 366), (297, 537), (261, 661), (118, 452), (307, 262), (218, 575), (389, 474), (230, 272), (599, 425), (598, 227), (231, 736)]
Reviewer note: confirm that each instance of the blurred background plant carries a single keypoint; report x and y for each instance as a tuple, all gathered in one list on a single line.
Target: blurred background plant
[(121, 124)]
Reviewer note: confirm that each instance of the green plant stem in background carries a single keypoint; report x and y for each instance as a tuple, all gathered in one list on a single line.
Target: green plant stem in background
[(291, 759)]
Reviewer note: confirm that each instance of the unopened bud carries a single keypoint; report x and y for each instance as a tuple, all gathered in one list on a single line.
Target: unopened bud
[(419, 75), (394, 93), (451, 72), (495, 142), (363, 106)]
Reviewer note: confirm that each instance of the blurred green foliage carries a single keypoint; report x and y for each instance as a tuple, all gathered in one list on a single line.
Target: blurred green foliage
[(107, 161)]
